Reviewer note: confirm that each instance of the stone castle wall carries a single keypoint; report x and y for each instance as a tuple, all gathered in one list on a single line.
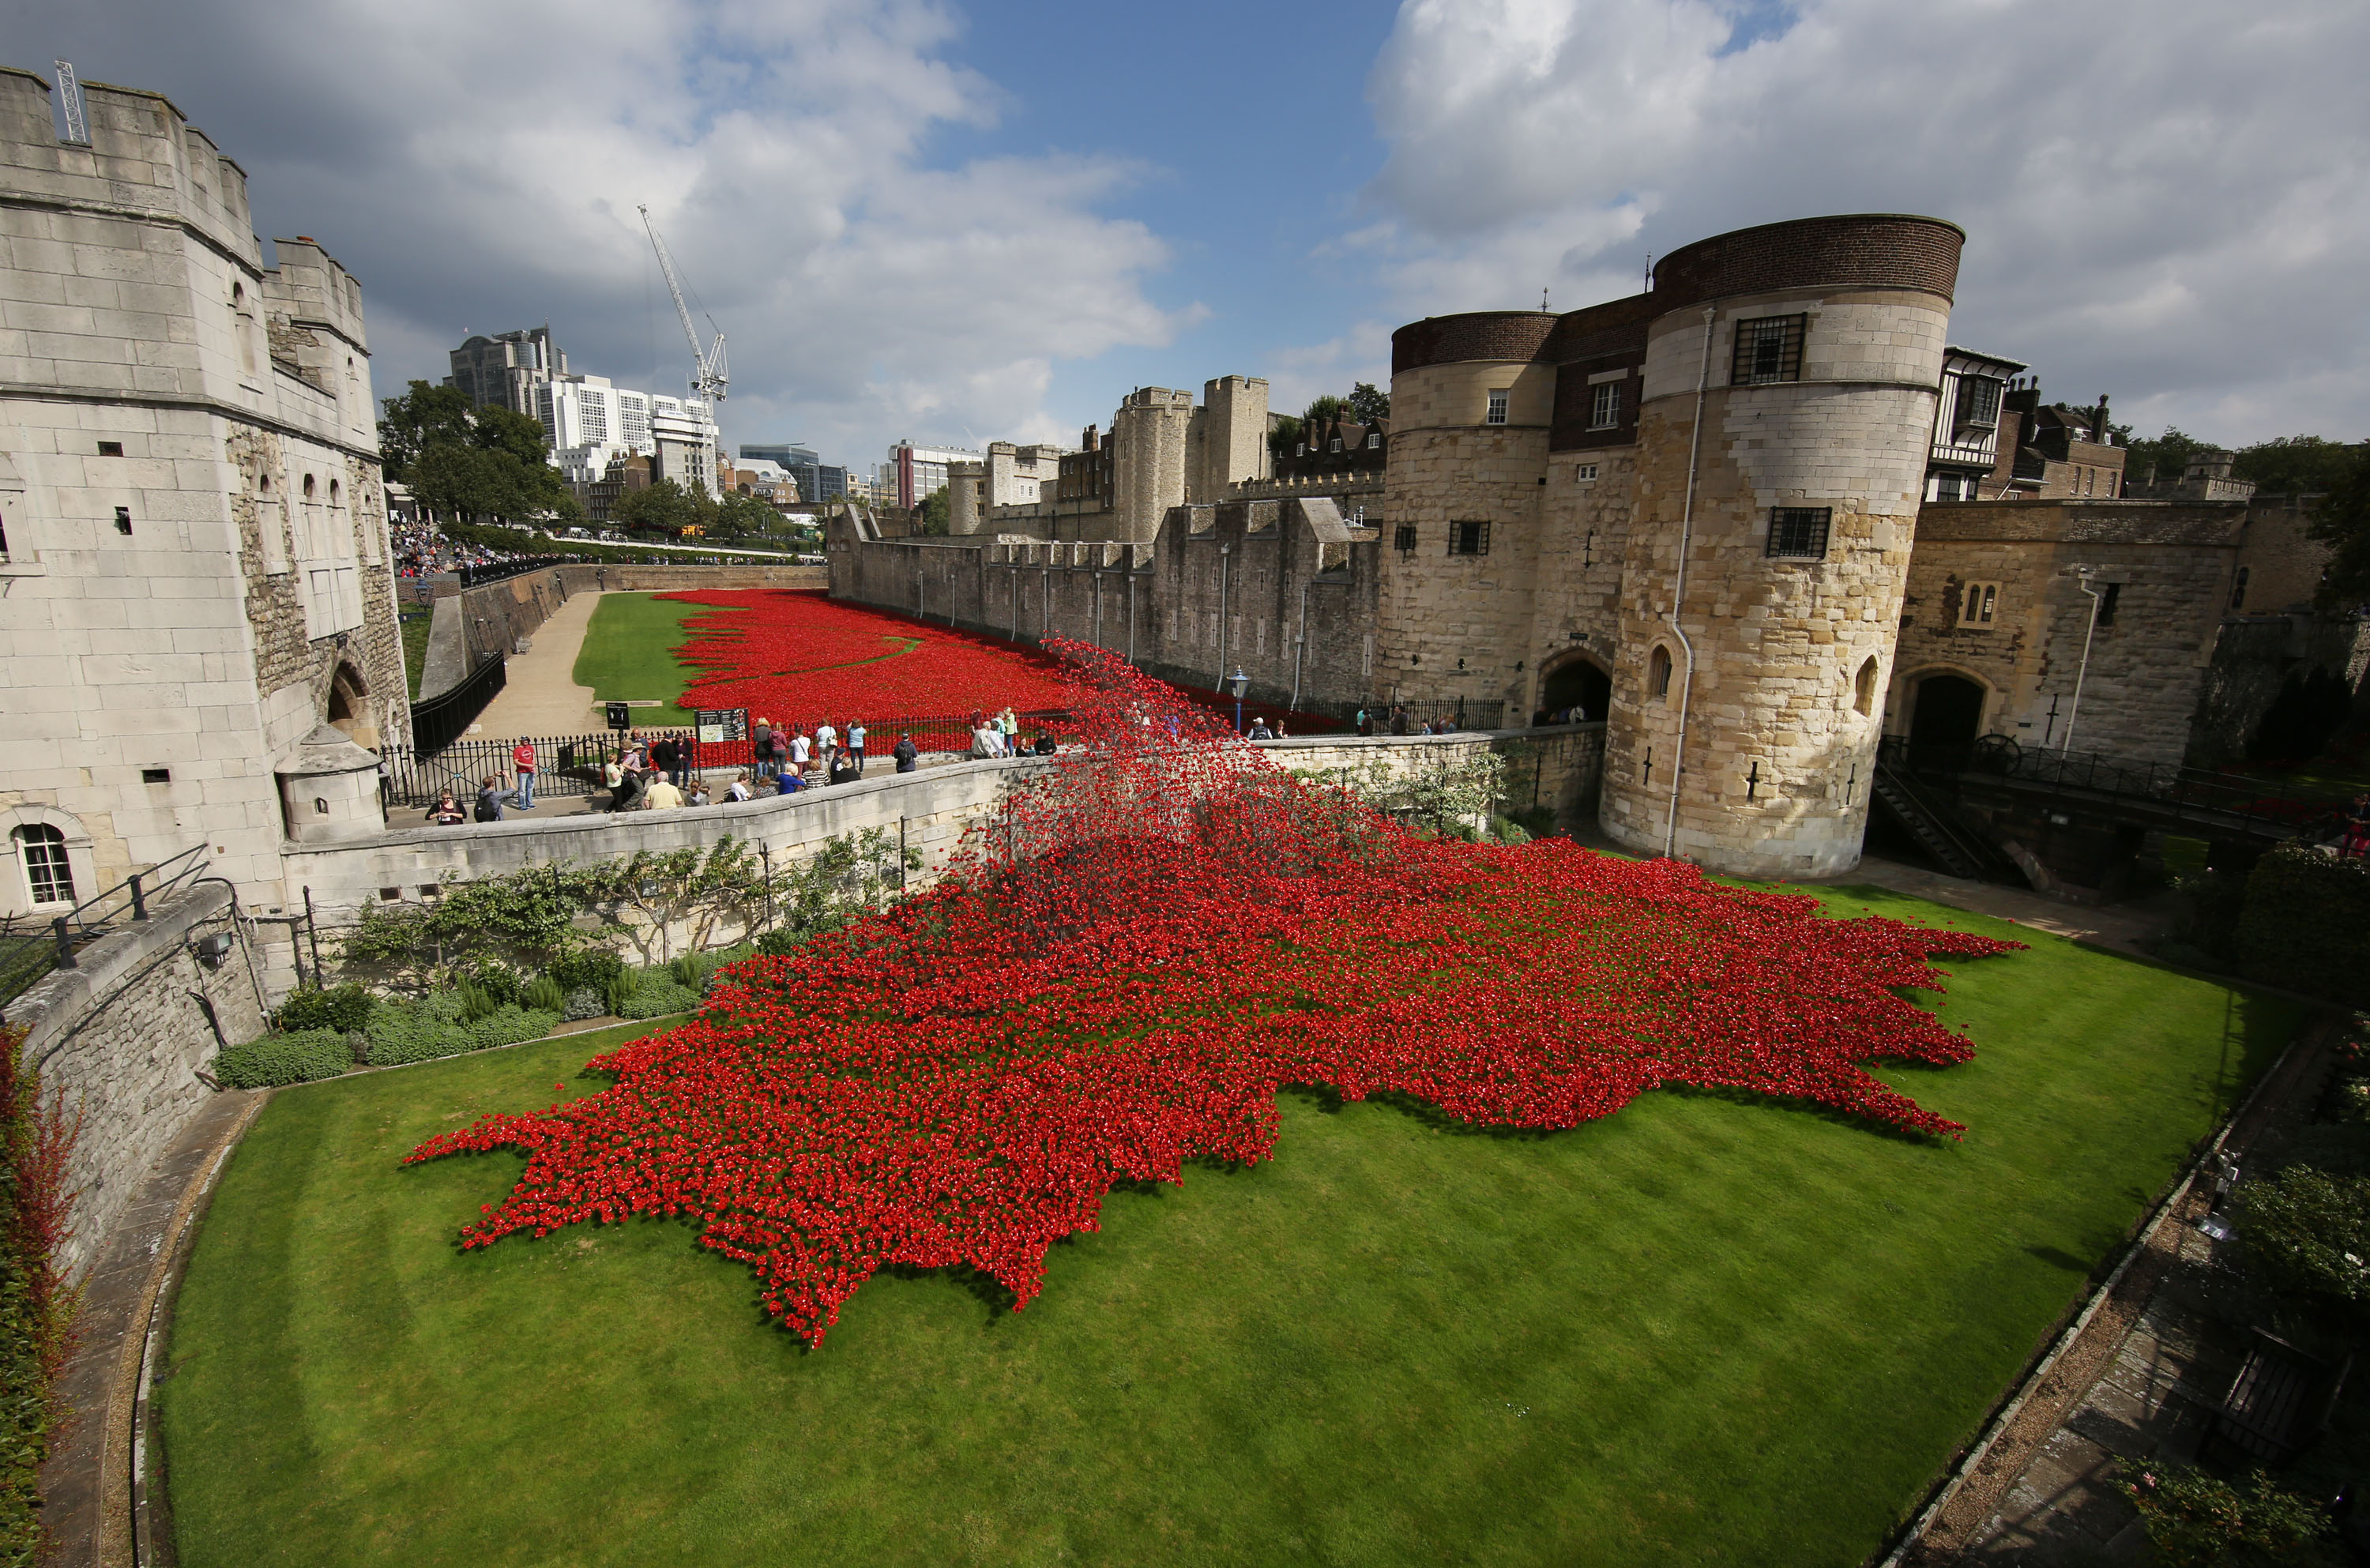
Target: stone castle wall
[(124, 1036)]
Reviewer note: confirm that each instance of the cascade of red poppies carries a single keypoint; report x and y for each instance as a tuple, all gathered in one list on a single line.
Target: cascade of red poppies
[(1124, 966)]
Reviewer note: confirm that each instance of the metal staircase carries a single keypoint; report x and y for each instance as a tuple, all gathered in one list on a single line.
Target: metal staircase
[(1939, 831)]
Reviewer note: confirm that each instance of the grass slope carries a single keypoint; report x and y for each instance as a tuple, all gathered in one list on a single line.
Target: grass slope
[(1701, 1330), (627, 657)]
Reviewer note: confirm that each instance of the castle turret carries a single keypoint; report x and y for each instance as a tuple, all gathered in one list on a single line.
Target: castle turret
[(1788, 390)]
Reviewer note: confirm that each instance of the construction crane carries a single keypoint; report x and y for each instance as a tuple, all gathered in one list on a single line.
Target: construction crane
[(709, 378)]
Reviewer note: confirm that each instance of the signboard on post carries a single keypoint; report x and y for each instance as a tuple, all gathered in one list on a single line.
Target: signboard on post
[(621, 716), (723, 723)]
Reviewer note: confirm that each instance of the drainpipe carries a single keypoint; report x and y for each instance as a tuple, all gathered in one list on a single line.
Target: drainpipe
[(1679, 590), (2089, 633), (1222, 617), (1300, 652)]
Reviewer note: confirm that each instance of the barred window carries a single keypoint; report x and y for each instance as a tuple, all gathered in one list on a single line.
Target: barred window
[(1468, 538), (1768, 349), (1604, 406), (1404, 538), (1798, 533), (1497, 412)]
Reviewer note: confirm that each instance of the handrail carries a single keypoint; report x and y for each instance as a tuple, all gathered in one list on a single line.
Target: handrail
[(2184, 791), (138, 887)]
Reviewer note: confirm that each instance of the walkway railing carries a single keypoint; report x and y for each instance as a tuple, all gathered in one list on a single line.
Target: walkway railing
[(2194, 792), (27, 955), (443, 717)]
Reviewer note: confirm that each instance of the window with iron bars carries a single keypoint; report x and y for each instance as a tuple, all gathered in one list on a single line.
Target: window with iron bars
[(1404, 538), (1768, 348), (1468, 538), (1798, 533)]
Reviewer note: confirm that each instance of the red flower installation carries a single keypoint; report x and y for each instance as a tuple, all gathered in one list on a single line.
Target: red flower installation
[(801, 657), (1154, 935)]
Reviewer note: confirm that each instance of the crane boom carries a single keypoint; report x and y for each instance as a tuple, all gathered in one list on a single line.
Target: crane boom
[(709, 378)]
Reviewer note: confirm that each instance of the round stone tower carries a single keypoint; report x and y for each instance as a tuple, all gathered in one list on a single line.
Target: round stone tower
[(1784, 418)]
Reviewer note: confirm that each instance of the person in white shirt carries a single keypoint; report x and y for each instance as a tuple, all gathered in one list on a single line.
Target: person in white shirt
[(801, 748), (739, 788), (825, 738), (856, 744)]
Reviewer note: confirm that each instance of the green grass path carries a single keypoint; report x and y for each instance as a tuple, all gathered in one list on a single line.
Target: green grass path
[(628, 656), (1703, 1330)]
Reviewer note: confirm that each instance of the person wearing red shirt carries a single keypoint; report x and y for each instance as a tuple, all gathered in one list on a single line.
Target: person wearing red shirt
[(522, 763)]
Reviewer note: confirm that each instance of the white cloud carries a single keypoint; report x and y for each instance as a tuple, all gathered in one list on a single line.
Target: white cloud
[(479, 167), (2167, 200)]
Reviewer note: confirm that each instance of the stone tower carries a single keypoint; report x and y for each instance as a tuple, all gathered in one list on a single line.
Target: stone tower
[(1228, 443), (1760, 416), (1784, 412)]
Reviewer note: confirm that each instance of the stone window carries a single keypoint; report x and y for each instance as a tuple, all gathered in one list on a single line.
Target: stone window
[(1658, 675), (1864, 688), (1584, 474), (1798, 533), (2108, 594), (1496, 413), (1374, 439), (1768, 349), (1604, 406), (241, 327), (2237, 588), (1979, 403), (1403, 538), (111, 449), (1337, 444), (42, 851), (1978, 602), (124, 520), (1468, 538)]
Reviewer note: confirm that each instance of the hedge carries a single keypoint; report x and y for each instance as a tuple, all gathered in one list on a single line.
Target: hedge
[(2306, 924), (285, 1058), (400, 1033)]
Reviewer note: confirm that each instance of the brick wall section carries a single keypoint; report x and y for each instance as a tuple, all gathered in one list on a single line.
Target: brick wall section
[(124, 1037), (1476, 335), (1883, 249)]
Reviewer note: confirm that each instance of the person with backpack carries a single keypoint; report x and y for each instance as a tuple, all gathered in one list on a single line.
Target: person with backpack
[(760, 749), (492, 797), (1366, 722), (522, 762), (908, 755)]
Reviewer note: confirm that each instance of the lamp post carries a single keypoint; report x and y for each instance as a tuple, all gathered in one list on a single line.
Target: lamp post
[(1238, 683)]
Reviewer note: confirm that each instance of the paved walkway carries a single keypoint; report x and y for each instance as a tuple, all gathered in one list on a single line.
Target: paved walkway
[(539, 694)]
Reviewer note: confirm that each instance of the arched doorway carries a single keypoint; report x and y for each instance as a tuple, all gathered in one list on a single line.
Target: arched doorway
[(1576, 684), (347, 710), (1948, 714)]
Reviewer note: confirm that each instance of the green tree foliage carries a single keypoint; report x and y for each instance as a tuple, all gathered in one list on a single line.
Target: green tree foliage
[(2197, 1520), (1283, 436), (1369, 402), (934, 510), (2296, 464), (461, 458), (2343, 523), (2308, 1234), (1324, 408), (737, 517), (665, 508), (2160, 459)]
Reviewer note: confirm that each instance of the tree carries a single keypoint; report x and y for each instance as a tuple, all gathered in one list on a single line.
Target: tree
[(933, 510), (471, 459), (2343, 523), (2296, 464), (1283, 436), (1369, 402), (423, 416), (2161, 460), (737, 517), (665, 507), (1323, 408)]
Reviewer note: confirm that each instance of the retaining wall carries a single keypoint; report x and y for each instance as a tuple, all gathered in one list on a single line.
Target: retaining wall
[(123, 1037)]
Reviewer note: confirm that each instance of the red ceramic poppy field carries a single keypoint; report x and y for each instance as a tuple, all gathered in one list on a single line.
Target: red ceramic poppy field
[(801, 657), (1121, 970)]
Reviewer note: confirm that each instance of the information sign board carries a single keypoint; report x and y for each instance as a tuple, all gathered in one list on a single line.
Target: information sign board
[(723, 723)]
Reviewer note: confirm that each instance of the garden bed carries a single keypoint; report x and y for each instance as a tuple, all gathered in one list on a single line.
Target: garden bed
[(1708, 1328)]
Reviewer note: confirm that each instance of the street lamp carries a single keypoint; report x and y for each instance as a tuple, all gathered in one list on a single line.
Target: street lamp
[(1238, 683)]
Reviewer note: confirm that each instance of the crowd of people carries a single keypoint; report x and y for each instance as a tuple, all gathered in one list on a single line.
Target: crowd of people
[(420, 551), (1398, 723)]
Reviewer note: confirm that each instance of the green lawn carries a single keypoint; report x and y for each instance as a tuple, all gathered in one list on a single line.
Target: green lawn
[(1705, 1330), (414, 621), (625, 655)]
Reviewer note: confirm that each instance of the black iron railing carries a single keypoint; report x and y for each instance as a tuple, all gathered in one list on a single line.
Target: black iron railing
[(27, 952), (2189, 792), (443, 717)]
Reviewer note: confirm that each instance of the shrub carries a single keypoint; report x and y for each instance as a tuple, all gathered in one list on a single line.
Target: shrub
[(506, 1026), (2308, 1233), (656, 999), (685, 971), (472, 1001), (583, 971), (340, 1008), (1537, 821), (1505, 830), (2306, 924), (584, 1002), (545, 995), (285, 1058), (2195, 1520), (499, 982), (402, 1034), (37, 1304)]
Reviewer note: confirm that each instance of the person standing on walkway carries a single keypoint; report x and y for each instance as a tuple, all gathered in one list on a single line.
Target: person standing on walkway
[(662, 758), (826, 741), (523, 760), (1009, 727), (492, 797), (908, 755), (761, 747), (855, 745), (781, 749), (801, 752)]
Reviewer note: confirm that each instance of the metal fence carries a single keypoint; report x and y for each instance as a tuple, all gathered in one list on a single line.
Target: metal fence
[(1460, 713), (443, 717), (2100, 774), (27, 952)]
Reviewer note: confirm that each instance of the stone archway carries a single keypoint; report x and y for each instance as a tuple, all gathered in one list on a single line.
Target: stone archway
[(346, 707), (1575, 680), (1945, 712)]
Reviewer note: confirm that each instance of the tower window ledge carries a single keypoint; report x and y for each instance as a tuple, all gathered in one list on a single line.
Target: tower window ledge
[(23, 568)]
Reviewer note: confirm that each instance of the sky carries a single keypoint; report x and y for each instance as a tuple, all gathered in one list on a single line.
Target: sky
[(958, 223)]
